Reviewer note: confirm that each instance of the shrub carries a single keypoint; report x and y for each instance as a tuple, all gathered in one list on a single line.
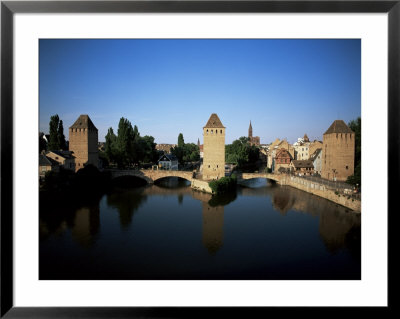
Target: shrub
[(223, 185)]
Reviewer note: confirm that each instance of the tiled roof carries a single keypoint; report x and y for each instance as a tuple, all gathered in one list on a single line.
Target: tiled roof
[(64, 154), (45, 161), (283, 151), (214, 121), (170, 157), (84, 121), (338, 126), (303, 163), (315, 154)]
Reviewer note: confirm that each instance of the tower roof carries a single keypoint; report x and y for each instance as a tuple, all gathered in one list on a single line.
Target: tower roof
[(338, 126), (214, 122), (250, 127), (84, 121)]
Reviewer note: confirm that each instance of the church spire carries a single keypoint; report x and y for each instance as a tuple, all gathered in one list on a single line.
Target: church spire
[(250, 130)]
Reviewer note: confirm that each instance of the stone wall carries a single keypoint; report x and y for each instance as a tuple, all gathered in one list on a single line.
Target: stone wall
[(321, 191), (201, 186)]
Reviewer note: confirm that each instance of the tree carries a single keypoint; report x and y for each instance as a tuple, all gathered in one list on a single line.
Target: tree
[(125, 143), (181, 141), (53, 131), (56, 131), (110, 146), (128, 147), (240, 152), (60, 136), (189, 152), (355, 126)]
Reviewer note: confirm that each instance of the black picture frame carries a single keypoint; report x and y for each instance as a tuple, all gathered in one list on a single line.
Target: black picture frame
[(9, 8)]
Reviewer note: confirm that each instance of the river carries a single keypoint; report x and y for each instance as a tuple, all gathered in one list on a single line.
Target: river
[(169, 231)]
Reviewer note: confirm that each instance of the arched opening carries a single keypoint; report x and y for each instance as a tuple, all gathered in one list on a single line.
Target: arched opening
[(172, 182)]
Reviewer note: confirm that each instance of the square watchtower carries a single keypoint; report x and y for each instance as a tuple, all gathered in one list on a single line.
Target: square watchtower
[(83, 141), (214, 148)]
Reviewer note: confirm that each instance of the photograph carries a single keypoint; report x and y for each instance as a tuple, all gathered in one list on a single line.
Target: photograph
[(199, 159)]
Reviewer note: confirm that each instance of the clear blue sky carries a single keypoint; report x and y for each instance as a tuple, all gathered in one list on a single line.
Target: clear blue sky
[(166, 87)]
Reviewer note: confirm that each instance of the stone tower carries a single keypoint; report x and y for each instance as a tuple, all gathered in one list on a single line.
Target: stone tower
[(83, 141), (338, 151), (250, 131), (214, 149)]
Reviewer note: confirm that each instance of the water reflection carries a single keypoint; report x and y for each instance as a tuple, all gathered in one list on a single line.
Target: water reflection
[(257, 226), (126, 202), (86, 225), (339, 228)]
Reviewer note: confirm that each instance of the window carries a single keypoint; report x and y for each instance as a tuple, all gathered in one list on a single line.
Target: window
[(217, 166), (221, 132), (208, 166), (207, 132), (347, 167), (212, 131)]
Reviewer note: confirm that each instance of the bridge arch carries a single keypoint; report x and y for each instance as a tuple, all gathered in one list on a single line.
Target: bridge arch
[(130, 180)]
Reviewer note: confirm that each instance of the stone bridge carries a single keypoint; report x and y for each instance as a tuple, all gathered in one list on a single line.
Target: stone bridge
[(150, 176)]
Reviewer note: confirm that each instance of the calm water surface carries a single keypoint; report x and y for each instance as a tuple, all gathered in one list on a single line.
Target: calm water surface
[(169, 231)]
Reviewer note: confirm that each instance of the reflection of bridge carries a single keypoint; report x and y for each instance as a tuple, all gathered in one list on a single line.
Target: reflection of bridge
[(149, 175), (275, 177)]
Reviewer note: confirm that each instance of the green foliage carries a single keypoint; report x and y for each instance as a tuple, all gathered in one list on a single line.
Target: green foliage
[(189, 152), (355, 126), (240, 152), (147, 147), (104, 158), (181, 141), (56, 131), (223, 185), (60, 136), (356, 177), (111, 146), (53, 131), (128, 147)]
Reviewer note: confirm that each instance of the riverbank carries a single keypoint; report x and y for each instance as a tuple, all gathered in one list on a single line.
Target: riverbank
[(321, 191)]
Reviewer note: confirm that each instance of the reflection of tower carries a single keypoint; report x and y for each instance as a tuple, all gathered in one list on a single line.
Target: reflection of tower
[(86, 225), (282, 200), (213, 223), (334, 226)]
